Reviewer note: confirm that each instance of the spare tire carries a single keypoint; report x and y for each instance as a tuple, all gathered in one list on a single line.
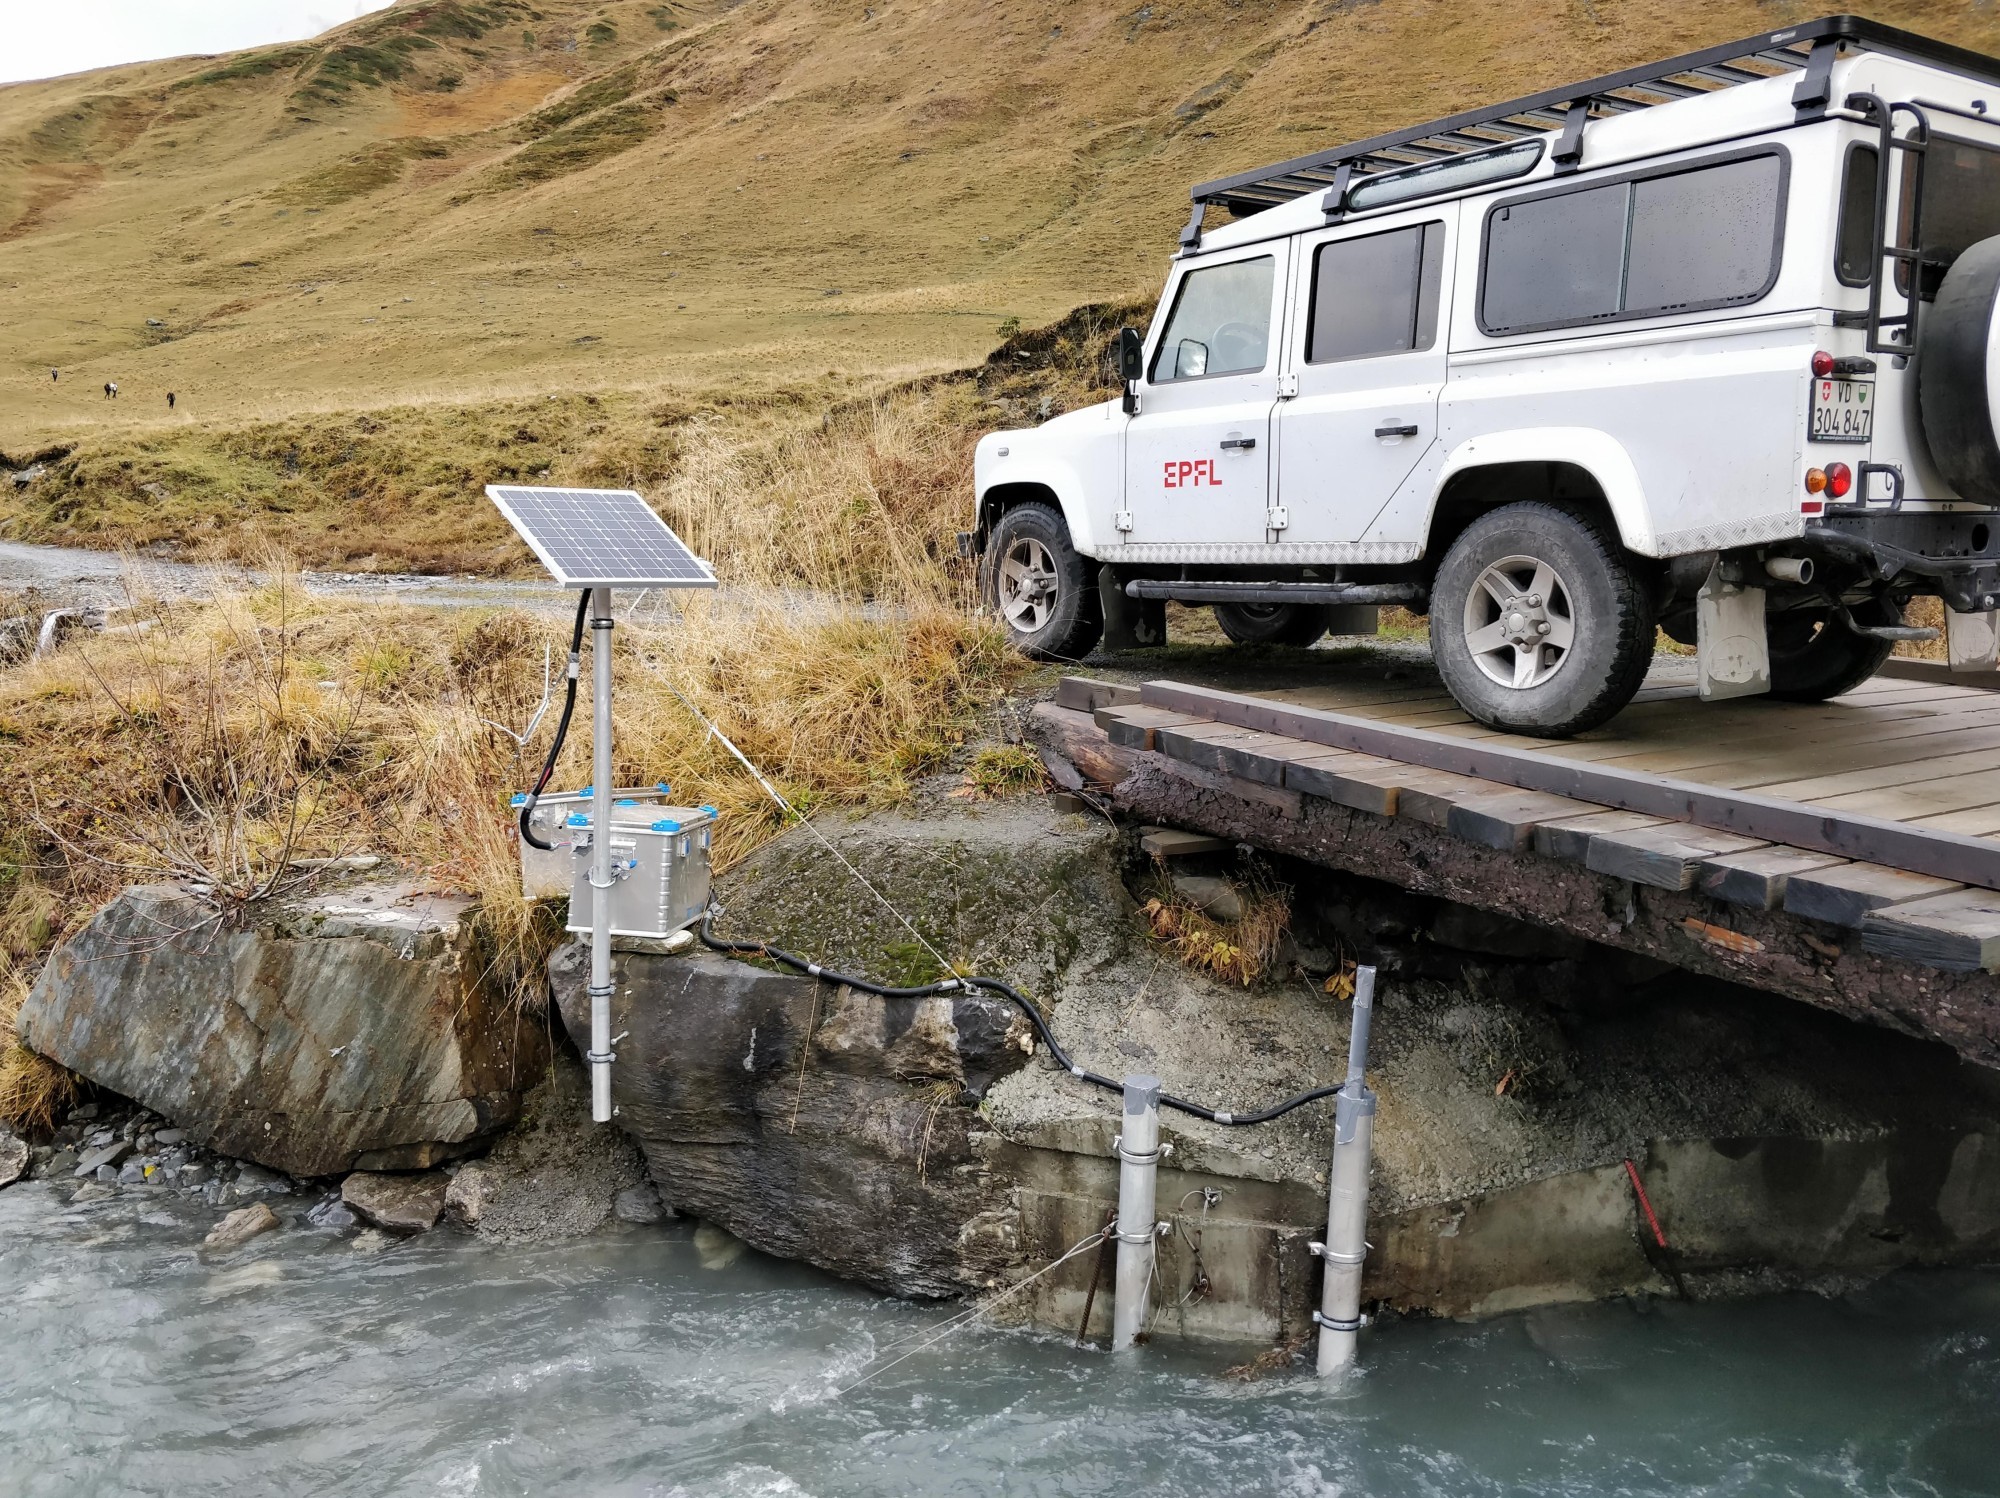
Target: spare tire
[(1958, 374)]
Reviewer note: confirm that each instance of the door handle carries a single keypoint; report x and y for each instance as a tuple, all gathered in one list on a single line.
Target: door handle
[(1245, 443), (1394, 431)]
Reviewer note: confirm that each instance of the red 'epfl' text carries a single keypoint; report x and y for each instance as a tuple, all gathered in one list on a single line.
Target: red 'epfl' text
[(1191, 473)]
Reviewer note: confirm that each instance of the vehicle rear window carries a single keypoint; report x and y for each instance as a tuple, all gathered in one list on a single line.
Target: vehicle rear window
[(1854, 251), (1961, 191), (1221, 322), (1644, 246), (1375, 295)]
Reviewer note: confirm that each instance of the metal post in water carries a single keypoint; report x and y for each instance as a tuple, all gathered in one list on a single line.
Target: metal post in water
[(600, 857), (1138, 1175), (1346, 1246)]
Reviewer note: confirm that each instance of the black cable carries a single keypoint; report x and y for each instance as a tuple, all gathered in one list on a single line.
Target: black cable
[(1020, 1001), (562, 725)]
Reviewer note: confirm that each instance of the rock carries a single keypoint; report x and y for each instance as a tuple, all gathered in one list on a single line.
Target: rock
[(305, 1036), (411, 1156), (255, 1180), (239, 1227), (93, 1191), (132, 1173), (555, 1175), (84, 1114), (331, 1213), (14, 1156), (717, 1248), (61, 1163), (168, 1137), (639, 1204), (196, 1172), (398, 1203), (1215, 898)]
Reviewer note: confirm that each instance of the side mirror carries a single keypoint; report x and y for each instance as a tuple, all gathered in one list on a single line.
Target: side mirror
[(1131, 356)]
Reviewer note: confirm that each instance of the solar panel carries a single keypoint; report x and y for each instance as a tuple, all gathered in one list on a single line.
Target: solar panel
[(600, 538)]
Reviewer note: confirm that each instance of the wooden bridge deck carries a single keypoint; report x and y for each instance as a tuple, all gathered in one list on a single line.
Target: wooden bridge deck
[(1878, 812)]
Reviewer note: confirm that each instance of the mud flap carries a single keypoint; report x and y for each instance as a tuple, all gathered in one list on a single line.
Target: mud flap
[(1972, 641), (1732, 650), (1129, 623)]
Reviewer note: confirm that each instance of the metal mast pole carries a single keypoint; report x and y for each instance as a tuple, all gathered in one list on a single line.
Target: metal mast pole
[(600, 857), (1138, 1179), (1346, 1246)]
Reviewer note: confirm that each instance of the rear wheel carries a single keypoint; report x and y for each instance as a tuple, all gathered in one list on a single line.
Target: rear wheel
[(1040, 587), (1814, 656), (1272, 623), (1539, 621)]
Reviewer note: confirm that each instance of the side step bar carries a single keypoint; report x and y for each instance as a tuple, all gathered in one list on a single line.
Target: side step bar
[(1232, 592)]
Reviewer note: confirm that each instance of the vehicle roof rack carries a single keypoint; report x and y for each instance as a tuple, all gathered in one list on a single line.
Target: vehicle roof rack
[(1807, 50)]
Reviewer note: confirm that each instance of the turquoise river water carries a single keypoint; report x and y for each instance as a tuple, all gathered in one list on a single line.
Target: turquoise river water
[(640, 1362)]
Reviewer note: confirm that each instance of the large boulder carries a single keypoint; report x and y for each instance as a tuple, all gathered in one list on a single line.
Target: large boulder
[(344, 1030)]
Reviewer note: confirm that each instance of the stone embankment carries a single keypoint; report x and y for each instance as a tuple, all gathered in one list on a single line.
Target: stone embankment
[(336, 1063), (920, 1146)]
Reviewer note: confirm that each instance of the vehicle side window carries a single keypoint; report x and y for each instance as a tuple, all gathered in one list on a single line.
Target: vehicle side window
[(1221, 322), (1375, 295), (1643, 246), (1854, 250), (1961, 206)]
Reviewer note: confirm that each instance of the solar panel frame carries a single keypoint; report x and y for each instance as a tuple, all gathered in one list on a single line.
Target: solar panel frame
[(599, 538)]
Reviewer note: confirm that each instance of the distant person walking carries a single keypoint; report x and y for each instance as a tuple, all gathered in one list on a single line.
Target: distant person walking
[(52, 376), (170, 400)]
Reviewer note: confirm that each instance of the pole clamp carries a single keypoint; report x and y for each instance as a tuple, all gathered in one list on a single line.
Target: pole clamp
[(604, 623), (1321, 1251), (600, 1058), (1124, 1237), (1336, 1326), (1140, 1157)]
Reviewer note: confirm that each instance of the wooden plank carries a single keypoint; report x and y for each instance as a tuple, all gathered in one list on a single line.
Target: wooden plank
[(1942, 855), (1937, 671), (1757, 876), (1568, 838), (1361, 781), (1429, 795), (1665, 857), (1086, 694), (1174, 842), (1134, 727), (1234, 751), (1959, 932), (1064, 736), (1507, 820), (1843, 894)]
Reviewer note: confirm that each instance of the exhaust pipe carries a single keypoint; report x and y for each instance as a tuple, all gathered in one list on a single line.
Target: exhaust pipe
[(1789, 569)]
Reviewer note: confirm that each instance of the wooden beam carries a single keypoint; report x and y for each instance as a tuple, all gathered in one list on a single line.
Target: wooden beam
[(1568, 838), (1959, 932), (1086, 694), (1757, 877), (1664, 857), (1844, 894), (1943, 855)]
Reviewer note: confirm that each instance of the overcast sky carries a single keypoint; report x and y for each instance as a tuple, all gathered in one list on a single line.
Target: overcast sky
[(43, 38)]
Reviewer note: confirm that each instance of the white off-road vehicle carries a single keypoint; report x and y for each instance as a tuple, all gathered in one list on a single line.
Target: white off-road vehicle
[(1706, 346)]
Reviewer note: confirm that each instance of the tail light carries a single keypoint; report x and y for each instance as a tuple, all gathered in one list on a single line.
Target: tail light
[(1822, 365), (1815, 481), (1839, 480)]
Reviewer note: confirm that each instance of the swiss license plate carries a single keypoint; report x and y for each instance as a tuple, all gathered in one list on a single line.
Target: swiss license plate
[(1843, 410)]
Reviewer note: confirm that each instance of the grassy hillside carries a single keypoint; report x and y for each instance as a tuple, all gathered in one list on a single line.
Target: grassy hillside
[(364, 264)]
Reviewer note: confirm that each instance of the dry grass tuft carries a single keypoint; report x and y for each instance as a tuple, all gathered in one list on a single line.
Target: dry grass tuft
[(1006, 770), (1236, 951), (34, 1091)]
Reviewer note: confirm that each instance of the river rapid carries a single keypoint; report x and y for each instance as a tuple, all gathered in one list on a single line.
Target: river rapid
[(662, 1361)]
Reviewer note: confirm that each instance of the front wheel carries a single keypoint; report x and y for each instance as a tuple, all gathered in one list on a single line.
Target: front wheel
[(1297, 624), (1040, 586), (1540, 623)]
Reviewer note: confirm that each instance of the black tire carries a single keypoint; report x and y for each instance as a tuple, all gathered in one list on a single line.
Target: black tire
[(1030, 553), (1954, 398), (1814, 656), (1578, 652), (1297, 624)]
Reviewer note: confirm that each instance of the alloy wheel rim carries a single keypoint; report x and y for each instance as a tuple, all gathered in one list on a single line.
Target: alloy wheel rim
[(1028, 585), (1519, 628)]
